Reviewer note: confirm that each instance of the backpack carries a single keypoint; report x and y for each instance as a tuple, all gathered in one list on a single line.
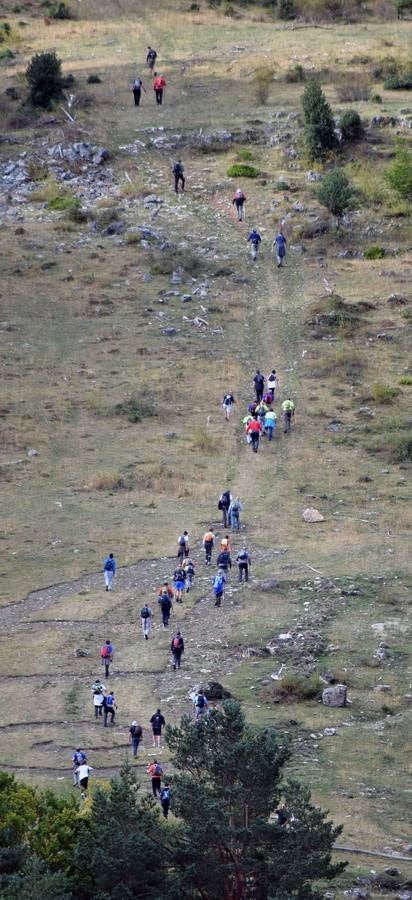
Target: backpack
[(165, 794), (218, 585), (242, 556), (190, 569), (219, 505), (105, 652), (235, 506), (182, 541), (137, 84), (108, 566), (136, 731), (145, 612), (108, 701), (178, 169), (176, 643), (158, 770), (200, 702)]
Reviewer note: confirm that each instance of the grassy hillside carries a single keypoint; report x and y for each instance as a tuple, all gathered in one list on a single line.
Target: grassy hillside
[(116, 383)]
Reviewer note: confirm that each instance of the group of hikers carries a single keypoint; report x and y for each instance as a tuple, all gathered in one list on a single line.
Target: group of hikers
[(261, 419), (159, 81)]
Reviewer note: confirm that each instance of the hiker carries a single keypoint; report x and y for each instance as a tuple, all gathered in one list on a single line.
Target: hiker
[(157, 722), (165, 798), (177, 647), (219, 582), (137, 89), (255, 239), (252, 406), (239, 200), (259, 384), (288, 411), (183, 546), (254, 429), (225, 543), (151, 58), (225, 500), (146, 616), (165, 602), (98, 690), (179, 579), (189, 569), (83, 772), (235, 509), (106, 655), (79, 757), (109, 569), (159, 84), (245, 421), (155, 771), (279, 245), (109, 708), (178, 172), (208, 542), (200, 704), (243, 562), (135, 736), (228, 401), (272, 384), (261, 411), (282, 814), (224, 561), (269, 424)]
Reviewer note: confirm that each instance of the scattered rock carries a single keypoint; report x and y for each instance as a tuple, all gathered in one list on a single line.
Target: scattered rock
[(169, 435), (271, 584), (329, 732), (32, 452), (312, 515), (176, 278), (366, 412), (312, 176), (101, 156), (186, 298), (169, 332), (335, 696), (80, 653), (114, 228)]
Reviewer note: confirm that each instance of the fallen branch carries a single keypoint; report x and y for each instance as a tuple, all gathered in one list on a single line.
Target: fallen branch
[(71, 119)]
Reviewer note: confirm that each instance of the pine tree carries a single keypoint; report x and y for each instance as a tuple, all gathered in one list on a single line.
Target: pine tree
[(320, 134), (44, 74), (228, 783), (335, 193)]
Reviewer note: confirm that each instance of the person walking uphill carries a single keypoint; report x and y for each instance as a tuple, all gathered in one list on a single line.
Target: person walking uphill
[(165, 798), (165, 602), (106, 656), (235, 509), (225, 500), (254, 429), (208, 542), (146, 616), (155, 771), (98, 690), (239, 200), (288, 412), (109, 708), (255, 239), (279, 246), (157, 722), (109, 570), (178, 172), (243, 562), (259, 385), (137, 89), (135, 736), (159, 84), (177, 647), (151, 58), (183, 547)]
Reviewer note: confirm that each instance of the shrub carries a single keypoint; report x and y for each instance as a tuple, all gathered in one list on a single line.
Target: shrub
[(12, 94), (5, 31), (37, 169), (60, 11), (286, 9), (61, 203), (399, 176), (45, 78), (399, 82), (351, 125), (94, 79), (204, 440), (263, 79), (298, 687), (77, 215), (107, 481), (335, 193), (7, 55), (374, 253), (402, 7), (241, 170), (406, 379), (384, 393), (402, 451), (244, 155), (386, 67), (353, 87), (376, 98), (136, 408), (320, 135), (295, 74)]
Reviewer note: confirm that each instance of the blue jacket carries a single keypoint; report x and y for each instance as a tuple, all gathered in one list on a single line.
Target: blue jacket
[(254, 237), (109, 565)]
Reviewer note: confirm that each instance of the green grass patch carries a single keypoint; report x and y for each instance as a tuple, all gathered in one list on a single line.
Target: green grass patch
[(406, 380), (242, 170), (58, 204), (136, 408), (296, 687), (374, 253), (244, 155), (384, 393)]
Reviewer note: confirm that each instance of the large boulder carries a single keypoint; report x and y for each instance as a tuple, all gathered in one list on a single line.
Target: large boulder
[(335, 696), (312, 515)]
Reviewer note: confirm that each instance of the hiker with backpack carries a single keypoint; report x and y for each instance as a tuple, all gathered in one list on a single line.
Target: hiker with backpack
[(200, 704), (208, 542), (155, 771), (259, 386), (98, 690), (279, 246), (261, 411), (269, 424), (165, 798), (189, 569), (79, 757), (137, 89), (288, 413), (135, 736), (159, 84), (235, 509), (224, 562), (109, 571), (177, 647), (272, 384), (183, 546), (243, 563), (157, 722), (225, 500), (179, 176), (179, 579), (228, 401), (239, 201), (106, 655), (255, 239), (151, 58), (219, 582), (254, 429), (146, 617), (165, 601), (109, 708)]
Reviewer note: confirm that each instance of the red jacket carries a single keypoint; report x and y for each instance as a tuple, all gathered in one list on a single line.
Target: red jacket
[(254, 425), (159, 83)]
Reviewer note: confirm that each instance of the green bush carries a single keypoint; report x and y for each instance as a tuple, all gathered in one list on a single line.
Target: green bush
[(335, 193), (399, 82), (45, 78), (136, 408), (351, 125), (295, 74), (244, 155), (282, 185), (402, 451), (384, 393), (242, 170), (374, 253), (399, 176), (402, 7), (5, 31), (263, 79), (7, 55), (60, 11), (60, 203), (286, 9), (299, 687), (406, 379), (320, 135), (94, 79)]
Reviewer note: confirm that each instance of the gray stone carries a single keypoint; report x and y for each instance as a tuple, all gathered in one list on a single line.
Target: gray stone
[(176, 278), (335, 696), (101, 156), (169, 332), (80, 653), (169, 435), (186, 298), (366, 412), (114, 228), (32, 452), (312, 176), (271, 584), (312, 515)]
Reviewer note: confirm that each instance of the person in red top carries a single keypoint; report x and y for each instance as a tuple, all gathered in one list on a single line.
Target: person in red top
[(159, 83), (254, 428)]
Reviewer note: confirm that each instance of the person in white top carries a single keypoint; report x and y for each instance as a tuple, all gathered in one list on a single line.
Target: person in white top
[(82, 773), (98, 689), (272, 383), (228, 401)]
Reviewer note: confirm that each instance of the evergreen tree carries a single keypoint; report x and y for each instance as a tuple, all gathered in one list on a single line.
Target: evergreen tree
[(399, 176), (320, 135), (44, 74), (227, 786), (335, 193)]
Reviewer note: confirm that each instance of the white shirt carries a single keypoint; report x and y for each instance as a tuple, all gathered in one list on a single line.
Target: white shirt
[(98, 699), (83, 771), (272, 381)]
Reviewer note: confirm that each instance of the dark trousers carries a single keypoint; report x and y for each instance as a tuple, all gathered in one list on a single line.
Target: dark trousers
[(98, 711), (255, 441), (259, 393), (287, 420), (156, 786), (180, 178), (109, 711), (243, 570), (159, 96), (165, 807), (106, 668), (269, 432), (177, 655), (225, 516), (135, 745), (165, 616), (219, 598), (208, 553), (137, 94)]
